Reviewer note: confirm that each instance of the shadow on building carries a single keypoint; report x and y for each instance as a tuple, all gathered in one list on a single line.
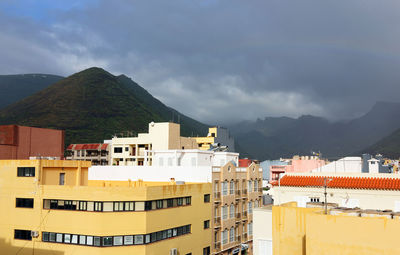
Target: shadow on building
[(7, 248)]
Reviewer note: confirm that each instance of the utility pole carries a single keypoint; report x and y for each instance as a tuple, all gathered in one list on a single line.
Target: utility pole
[(326, 181)]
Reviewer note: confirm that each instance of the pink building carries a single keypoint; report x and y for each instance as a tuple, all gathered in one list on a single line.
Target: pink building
[(297, 164)]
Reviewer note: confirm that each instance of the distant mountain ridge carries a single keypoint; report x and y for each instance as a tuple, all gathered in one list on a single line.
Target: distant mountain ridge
[(273, 138), (93, 105), (19, 86)]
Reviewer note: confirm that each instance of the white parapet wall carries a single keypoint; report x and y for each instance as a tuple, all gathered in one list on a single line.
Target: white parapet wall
[(151, 173)]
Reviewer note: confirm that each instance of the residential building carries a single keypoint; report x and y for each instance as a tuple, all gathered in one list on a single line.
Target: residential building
[(19, 142), (266, 165), (217, 136), (366, 191), (134, 151), (235, 190), (262, 236), (97, 153), (298, 164), (309, 231), (51, 207)]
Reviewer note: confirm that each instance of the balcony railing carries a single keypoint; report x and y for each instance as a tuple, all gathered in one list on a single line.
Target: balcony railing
[(244, 236), (237, 193), (238, 239), (245, 214), (238, 215), (217, 246), (244, 192), (217, 197), (260, 190), (217, 222)]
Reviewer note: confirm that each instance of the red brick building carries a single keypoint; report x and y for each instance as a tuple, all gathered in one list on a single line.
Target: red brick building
[(19, 142)]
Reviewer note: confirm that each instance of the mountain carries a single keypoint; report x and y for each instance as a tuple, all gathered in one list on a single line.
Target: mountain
[(273, 138), (93, 105), (389, 146), (17, 87)]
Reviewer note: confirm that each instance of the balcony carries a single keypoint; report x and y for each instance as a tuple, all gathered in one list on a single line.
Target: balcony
[(238, 239), (217, 222), (245, 214), (244, 193), (244, 236), (217, 246), (260, 190), (217, 197), (238, 215)]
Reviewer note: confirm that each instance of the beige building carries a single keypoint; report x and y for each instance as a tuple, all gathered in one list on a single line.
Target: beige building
[(135, 151), (237, 191)]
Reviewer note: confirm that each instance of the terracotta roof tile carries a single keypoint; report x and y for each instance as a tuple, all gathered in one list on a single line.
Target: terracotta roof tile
[(376, 183)]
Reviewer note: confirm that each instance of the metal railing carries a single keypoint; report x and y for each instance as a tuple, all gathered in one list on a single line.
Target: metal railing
[(217, 196), (217, 222), (217, 245)]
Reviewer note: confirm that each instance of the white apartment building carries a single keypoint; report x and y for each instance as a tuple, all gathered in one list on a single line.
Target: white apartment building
[(136, 151), (363, 190)]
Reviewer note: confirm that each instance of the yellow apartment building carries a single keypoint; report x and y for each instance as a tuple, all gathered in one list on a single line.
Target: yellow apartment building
[(345, 231), (50, 207), (216, 135)]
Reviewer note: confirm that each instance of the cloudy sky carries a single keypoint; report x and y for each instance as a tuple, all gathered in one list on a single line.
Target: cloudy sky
[(218, 61)]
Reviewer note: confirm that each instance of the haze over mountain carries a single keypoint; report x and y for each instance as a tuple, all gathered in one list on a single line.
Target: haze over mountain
[(17, 87), (93, 105), (389, 146), (276, 137)]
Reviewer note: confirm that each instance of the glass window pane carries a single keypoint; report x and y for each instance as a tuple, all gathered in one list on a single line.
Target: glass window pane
[(52, 237), (138, 239), (45, 236), (82, 239), (89, 240), (107, 241), (96, 241), (128, 240), (147, 238), (117, 240), (74, 239)]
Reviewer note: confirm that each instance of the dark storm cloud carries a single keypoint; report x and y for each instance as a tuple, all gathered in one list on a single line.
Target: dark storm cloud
[(223, 60)]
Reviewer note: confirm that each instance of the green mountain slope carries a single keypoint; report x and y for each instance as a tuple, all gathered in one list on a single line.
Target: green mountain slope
[(93, 105), (17, 87), (388, 146)]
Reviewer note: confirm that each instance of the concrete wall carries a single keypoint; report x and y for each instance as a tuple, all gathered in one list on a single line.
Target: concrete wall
[(151, 173), (344, 165), (262, 233)]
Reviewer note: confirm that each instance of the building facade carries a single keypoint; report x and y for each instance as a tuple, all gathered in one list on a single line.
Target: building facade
[(134, 151), (236, 191), (298, 164), (50, 207), (19, 142), (96, 153)]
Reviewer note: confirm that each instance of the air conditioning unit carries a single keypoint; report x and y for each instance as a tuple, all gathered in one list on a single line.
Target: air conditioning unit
[(34, 234), (173, 251)]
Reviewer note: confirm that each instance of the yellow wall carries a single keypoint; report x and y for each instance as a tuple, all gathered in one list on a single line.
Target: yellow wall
[(97, 223), (301, 231)]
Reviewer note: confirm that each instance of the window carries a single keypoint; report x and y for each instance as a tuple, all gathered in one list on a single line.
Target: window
[(232, 235), (118, 206), (206, 224), (232, 211), (170, 202), (96, 241), (250, 228), (22, 234), (26, 172), (224, 236), (159, 204), (250, 186), (206, 198), (250, 207), (224, 187), (82, 240), (89, 240), (126, 148), (24, 202), (206, 250), (188, 200), (232, 188), (224, 212), (107, 241), (98, 206), (61, 180), (117, 240), (82, 205), (117, 149), (314, 199), (255, 186), (256, 203)]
